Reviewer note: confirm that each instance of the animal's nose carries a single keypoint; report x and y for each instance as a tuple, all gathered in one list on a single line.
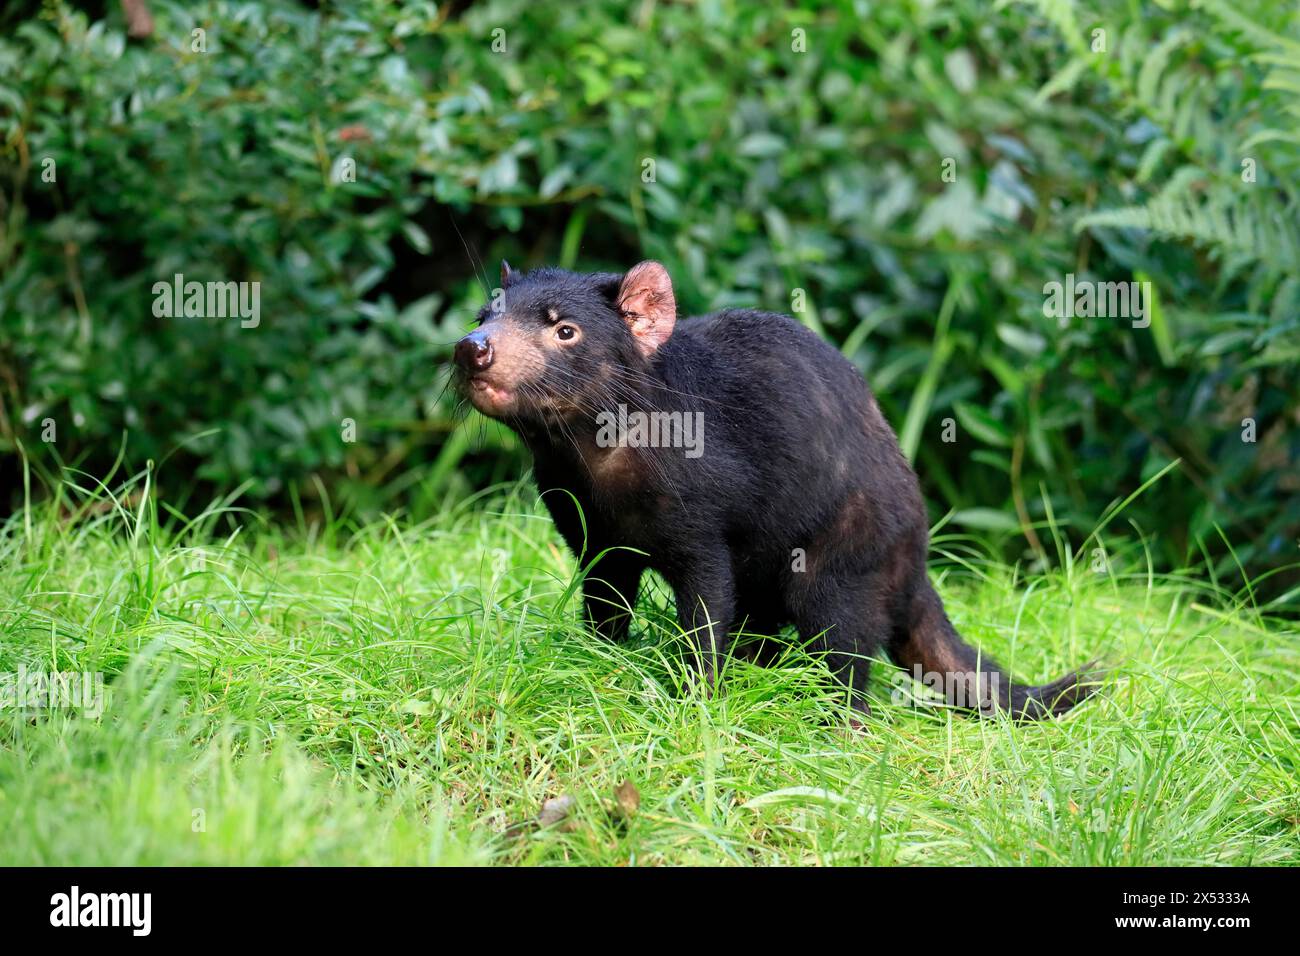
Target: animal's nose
[(474, 351)]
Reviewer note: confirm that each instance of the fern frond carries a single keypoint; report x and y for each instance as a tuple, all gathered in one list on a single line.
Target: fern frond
[(1231, 17), (1244, 227)]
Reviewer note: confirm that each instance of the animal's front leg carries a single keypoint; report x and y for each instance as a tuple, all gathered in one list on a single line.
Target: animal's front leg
[(706, 603), (609, 593)]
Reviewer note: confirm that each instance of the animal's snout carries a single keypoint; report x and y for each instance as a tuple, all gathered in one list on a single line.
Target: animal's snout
[(474, 351)]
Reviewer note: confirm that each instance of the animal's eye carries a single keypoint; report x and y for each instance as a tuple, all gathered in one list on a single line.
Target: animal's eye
[(565, 333)]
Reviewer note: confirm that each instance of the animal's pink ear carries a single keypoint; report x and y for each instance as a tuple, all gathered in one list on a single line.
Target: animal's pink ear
[(508, 275), (646, 300)]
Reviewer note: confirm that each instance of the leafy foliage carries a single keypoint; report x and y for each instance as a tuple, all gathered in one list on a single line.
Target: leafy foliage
[(797, 155)]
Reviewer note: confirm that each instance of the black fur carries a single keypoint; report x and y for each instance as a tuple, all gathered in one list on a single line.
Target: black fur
[(797, 459)]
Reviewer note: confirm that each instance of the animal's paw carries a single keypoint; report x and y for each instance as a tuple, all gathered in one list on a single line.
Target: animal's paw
[(858, 718)]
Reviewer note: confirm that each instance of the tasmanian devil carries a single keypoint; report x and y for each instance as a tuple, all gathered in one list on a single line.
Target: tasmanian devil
[(742, 458)]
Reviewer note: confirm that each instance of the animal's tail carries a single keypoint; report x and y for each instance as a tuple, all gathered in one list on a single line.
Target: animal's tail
[(934, 653)]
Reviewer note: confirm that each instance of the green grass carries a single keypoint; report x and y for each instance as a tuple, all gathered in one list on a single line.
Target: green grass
[(403, 693)]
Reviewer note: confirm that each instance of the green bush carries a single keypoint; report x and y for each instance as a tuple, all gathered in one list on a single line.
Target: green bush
[(798, 155)]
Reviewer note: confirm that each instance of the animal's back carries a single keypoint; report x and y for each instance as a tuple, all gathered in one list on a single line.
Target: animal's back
[(791, 430)]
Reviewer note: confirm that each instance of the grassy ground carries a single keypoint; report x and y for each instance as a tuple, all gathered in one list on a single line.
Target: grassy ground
[(414, 693)]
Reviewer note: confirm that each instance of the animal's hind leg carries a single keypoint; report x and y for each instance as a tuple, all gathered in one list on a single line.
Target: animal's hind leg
[(850, 622)]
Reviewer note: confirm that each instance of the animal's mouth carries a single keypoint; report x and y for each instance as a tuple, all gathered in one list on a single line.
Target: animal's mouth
[(496, 399), (488, 397)]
